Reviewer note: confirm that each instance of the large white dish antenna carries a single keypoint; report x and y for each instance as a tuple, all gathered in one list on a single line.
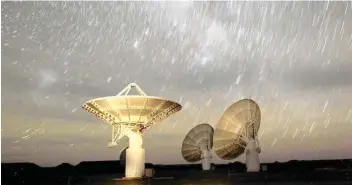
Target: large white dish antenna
[(130, 116), (237, 132), (197, 145)]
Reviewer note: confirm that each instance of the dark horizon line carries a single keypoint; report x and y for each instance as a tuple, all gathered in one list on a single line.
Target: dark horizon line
[(196, 163)]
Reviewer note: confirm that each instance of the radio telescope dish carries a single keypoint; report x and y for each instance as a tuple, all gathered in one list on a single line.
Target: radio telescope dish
[(197, 145), (237, 131), (123, 157), (130, 116)]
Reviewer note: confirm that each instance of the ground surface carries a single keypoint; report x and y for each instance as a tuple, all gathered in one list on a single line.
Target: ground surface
[(210, 182)]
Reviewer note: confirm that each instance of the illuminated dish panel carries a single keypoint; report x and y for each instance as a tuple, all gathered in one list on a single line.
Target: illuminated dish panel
[(197, 139), (230, 133), (134, 112)]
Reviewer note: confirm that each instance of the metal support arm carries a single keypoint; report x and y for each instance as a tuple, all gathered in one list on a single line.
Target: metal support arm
[(117, 133), (127, 89)]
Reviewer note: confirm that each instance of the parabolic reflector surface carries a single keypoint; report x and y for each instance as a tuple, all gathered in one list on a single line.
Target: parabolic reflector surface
[(201, 136), (230, 133), (132, 111)]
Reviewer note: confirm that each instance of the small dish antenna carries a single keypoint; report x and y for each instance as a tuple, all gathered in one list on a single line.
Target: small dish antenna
[(236, 133), (131, 116), (197, 145)]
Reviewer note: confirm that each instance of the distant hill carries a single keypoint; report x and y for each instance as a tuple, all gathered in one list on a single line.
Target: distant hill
[(29, 173), (113, 167)]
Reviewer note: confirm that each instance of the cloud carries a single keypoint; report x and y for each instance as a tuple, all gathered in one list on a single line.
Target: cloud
[(205, 57), (312, 77)]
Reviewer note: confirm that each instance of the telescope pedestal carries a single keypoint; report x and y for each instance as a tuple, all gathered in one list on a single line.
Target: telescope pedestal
[(206, 156), (252, 156), (135, 157)]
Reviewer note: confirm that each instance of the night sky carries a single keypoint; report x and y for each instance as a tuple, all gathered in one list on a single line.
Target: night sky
[(293, 58)]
